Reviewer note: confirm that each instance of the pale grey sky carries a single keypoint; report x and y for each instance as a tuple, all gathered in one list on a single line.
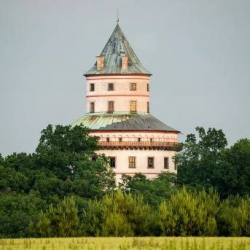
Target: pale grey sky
[(197, 50)]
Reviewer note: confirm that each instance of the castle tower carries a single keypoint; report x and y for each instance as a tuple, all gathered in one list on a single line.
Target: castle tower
[(118, 111)]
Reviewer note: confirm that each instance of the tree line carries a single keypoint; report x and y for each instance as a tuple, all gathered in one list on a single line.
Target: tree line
[(65, 189)]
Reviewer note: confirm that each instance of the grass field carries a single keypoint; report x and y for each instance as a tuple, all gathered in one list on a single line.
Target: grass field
[(173, 243)]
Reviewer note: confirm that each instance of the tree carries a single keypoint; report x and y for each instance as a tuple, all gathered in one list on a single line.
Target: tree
[(234, 217), (199, 158), (189, 214), (58, 221), (232, 176), (207, 163), (16, 212), (68, 152), (154, 191), (63, 165), (118, 214)]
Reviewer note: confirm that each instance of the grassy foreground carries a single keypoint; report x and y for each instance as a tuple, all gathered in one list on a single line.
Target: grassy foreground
[(171, 243)]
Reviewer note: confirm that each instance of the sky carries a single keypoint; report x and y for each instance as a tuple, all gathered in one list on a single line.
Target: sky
[(197, 50)]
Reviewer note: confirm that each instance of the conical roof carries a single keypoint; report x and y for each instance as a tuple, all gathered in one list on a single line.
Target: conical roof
[(116, 47)]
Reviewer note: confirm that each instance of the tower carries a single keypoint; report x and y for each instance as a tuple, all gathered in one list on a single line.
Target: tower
[(118, 111)]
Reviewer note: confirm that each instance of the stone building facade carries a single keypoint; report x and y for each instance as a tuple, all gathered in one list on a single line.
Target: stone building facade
[(118, 111)]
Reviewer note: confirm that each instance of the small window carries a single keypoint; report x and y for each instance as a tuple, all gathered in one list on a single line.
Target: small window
[(120, 139), (139, 139), (111, 87), (133, 107), (148, 107), (131, 162), (148, 87), (132, 86), (107, 139), (175, 165), (112, 162), (92, 87), (166, 163), (110, 106), (151, 139), (92, 107), (150, 162)]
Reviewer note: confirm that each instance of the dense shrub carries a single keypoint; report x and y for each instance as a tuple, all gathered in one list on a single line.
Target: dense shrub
[(58, 221), (187, 214), (118, 214)]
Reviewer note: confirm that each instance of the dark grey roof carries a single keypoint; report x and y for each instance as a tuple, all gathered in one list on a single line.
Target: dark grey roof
[(117, 46), (123, 121)]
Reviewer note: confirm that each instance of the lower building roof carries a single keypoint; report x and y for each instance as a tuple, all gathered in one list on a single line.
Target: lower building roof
[(123, 121)]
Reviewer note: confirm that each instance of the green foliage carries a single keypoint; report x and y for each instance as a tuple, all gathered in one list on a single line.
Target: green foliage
[(91, 222), (232, 175), (58, 221), (153, 191), (187, 214), (234, 219), (65, 189), (125, 215), (61, 167), (207, 163), (200, 157), (118, 214), (16, 212)]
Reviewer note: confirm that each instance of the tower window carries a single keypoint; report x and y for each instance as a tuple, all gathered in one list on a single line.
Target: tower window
[(139, 139), (133, 86), (111, 87), (131, 162), (92, 107), (110, 106), (112, 162), (166, 163), (133, 107), (150, 162), (107, 139), (92, 87), (148, 107), (120, 139), (148, 87)]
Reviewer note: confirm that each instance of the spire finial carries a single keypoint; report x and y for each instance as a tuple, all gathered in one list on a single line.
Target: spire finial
[(117, 15)]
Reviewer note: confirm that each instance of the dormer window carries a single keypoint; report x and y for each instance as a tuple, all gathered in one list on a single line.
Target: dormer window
[(132, 86), (92, 87), (111, 87)]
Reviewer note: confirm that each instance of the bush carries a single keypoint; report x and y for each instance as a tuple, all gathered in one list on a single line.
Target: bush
[(189, 214), (58, 221), (117, 214)]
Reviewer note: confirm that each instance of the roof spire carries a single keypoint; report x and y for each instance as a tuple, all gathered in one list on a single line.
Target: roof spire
[(114, 52), (117, 16)]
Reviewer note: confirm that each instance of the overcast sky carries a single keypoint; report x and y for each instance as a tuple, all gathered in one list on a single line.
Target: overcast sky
[(197, 50)]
